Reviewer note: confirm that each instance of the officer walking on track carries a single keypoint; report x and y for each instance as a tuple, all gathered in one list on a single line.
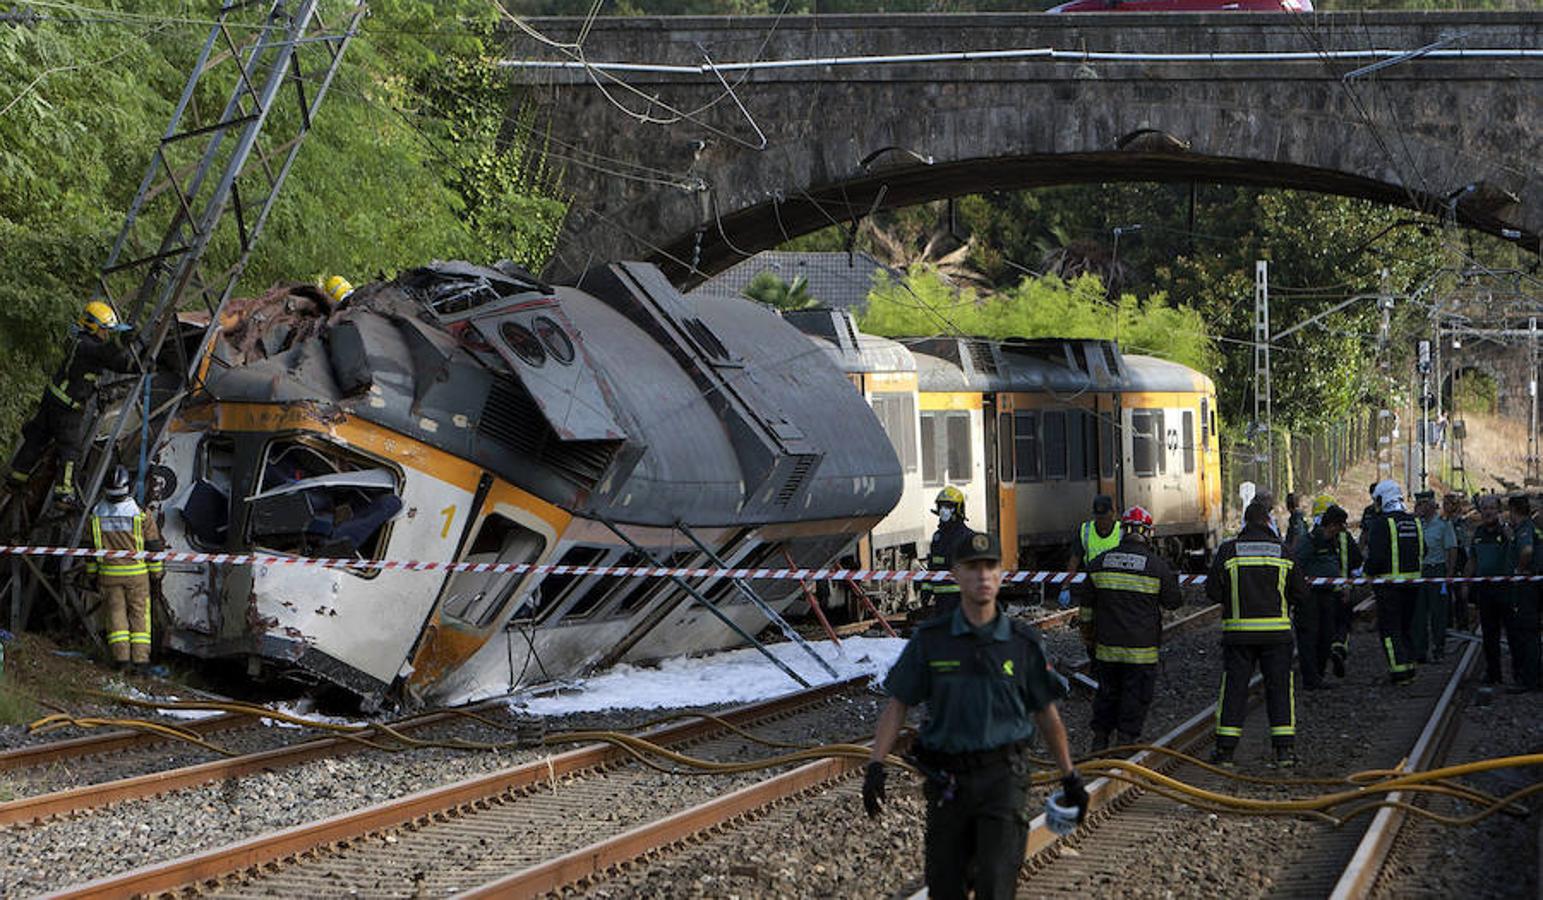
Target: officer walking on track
[(1432, 611), (1122, 600), (942, 597), (1257, 584), (1395, 546), (117, 523), (1323, 621), (987, 687), (62, 415), (1489, 551), (1521, 624), (1097, 535)]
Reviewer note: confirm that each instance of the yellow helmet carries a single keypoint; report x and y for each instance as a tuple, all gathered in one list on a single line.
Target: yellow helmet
[(1321, 504), (949, 494), (99, 318), (338, 288)]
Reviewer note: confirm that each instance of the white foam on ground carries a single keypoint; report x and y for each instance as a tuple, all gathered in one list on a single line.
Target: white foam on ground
[(734, 676)]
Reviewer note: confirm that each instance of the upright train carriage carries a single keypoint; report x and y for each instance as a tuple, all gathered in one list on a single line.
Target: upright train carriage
[(470, 413)]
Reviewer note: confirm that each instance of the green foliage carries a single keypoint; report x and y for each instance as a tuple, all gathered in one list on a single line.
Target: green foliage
[(922, 304), (1475, 392), (767, 288), (413, 156)]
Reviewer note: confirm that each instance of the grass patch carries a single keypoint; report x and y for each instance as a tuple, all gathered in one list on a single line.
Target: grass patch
[(16, 708)]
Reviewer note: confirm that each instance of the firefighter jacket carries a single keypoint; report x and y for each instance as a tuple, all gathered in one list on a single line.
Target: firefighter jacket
[(1090, 543), (1395, 545), (76, 379), (122, 525), (1257, 584), (1120, 600), (940, 556), (1320, 557)]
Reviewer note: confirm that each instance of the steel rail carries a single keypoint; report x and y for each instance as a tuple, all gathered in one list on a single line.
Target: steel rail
[(218, 862), (45, 753), (1366, 865), (551, 876), (136, 787)]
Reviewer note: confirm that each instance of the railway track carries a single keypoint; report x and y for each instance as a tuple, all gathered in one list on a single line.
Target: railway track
[(469, 833), (1130, 831), (98, 765)]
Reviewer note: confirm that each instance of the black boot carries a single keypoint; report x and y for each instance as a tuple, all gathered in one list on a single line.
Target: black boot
[(1128, 739), (1285, 756), (1337, 657), (1221, 756)]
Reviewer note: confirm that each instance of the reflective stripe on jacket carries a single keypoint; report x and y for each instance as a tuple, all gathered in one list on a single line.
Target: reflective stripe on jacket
[(122, 525), (1094, 543), (1121, 602), (1257, 584)]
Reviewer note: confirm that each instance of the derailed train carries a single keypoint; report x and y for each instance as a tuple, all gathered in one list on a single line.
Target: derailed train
[(470, 413), (473, 414)]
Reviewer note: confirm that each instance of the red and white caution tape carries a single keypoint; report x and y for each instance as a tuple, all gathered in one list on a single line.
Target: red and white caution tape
[(1026, 576)]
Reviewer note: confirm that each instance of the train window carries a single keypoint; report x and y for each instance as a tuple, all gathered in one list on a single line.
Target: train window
[(476, 598), (961, 459), (605, 587), (645, 589), (524, 344), (315, 498), (1026, 445), (930, 473), (1205, 423), (1106, 445), (1084, 441), (1054, 434), (1187, 439), (896, 412), (1148, 454), (552, 589), (206, 511), (1005, 448)]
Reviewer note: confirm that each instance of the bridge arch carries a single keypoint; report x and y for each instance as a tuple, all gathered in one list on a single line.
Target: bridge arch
[(840, 141)]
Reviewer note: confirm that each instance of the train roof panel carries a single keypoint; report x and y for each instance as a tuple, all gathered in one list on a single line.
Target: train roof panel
[(854, 352), (1059, 365), (627, 400)]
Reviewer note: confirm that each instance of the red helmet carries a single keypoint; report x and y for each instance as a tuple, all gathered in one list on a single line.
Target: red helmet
[(1137, 517)]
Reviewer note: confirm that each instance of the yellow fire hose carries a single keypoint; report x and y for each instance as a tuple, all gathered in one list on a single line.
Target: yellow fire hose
[(1361, 792)]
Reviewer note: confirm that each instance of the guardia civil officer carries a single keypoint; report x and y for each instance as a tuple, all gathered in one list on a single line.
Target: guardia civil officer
[(1323, 621), (987, 687), (1122, 602), (1257, 584), (1395, 547), (941, 598), (1095, 536)]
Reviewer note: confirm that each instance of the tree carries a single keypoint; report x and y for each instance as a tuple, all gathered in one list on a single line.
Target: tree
[(924, 304)]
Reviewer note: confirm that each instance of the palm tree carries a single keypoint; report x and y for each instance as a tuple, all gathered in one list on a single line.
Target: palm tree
[(767, 288)]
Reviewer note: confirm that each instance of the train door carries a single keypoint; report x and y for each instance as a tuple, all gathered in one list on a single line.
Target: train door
[(1001, 485), (1110, 455)]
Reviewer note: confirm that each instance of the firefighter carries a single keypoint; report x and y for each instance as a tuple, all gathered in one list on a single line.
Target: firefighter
[(1122, 624), (1257, 584), (1323, 621), (988, 688), (941, 597), (1096, 535), (117, 523), (62, 415), (1395, 547)]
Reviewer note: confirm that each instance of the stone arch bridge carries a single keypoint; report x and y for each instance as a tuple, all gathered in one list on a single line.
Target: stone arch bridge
[(1454, 136)]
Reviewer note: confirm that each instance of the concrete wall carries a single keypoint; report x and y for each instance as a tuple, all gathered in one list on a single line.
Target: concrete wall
[(697, 193)]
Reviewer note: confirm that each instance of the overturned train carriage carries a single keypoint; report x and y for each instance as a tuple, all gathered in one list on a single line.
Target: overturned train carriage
[(473, 414)]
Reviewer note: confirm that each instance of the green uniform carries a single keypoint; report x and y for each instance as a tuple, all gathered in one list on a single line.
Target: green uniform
[(981, 688), (1522, 623), (1489, 548)]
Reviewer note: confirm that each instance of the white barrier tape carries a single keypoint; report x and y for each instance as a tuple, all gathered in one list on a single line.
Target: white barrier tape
[(1027, 576)]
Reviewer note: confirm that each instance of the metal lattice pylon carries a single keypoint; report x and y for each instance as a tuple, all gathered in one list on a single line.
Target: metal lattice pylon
[(273, 62)]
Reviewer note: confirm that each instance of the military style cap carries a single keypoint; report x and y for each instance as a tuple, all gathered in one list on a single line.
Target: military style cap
[(1425, 495), (1103, 503), (977, 545)]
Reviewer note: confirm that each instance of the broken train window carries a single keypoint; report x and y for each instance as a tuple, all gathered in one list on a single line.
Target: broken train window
[(476, 598), (206, 511), (315, 498)]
